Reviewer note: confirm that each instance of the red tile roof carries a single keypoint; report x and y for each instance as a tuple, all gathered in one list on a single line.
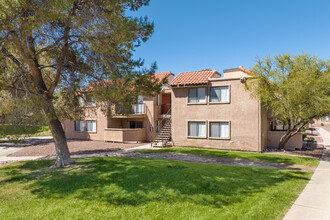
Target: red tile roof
[(162, 76), (193, 78), (159, 76), (247, 71)]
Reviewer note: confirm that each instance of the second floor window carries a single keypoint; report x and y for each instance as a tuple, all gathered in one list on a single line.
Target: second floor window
[(81, 101), (90, 100), (196, 95), (219, 94)]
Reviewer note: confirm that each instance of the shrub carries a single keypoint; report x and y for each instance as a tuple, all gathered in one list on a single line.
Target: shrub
[(322, 124), (304, 135), (310, 142)]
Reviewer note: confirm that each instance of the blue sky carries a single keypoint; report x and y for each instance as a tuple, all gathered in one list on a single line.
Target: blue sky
[(220, 34)]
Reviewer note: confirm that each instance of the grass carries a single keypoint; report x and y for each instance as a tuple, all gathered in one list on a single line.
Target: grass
[(23, 130), (306, 161), (128, 188)]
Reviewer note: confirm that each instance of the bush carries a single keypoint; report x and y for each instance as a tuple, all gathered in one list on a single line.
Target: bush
[(304, 135), (322, 124), (21, 130), (310, 142)]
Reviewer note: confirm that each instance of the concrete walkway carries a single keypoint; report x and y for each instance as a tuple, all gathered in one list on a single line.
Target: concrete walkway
[(10, 148), (314, 201)]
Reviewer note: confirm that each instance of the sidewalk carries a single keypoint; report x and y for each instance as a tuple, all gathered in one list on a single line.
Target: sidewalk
[(10, 148), (314, 201)]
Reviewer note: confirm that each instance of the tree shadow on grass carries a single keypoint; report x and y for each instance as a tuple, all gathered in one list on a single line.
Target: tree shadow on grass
[(133, 182)]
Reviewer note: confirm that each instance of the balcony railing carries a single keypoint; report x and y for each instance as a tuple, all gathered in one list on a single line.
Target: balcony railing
[(136, 109)]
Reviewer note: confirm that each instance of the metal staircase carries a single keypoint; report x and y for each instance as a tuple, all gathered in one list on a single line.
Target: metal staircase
[(163, 132)]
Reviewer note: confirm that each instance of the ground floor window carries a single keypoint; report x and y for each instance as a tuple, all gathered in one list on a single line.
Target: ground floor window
[(196, 129), (219, 129), (325, 118), (91, 126), (136, 124), (79, 125)]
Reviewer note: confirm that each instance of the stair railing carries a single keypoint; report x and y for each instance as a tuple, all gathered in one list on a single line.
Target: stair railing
[(160, 126)]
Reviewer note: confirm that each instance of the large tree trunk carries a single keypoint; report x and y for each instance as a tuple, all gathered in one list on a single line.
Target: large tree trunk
[(62, 152)]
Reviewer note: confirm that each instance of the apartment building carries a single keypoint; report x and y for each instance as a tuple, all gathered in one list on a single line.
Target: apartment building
[(217, 112), (135, 127), (195, 109)]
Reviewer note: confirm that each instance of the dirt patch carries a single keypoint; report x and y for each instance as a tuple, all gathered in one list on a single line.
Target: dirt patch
[(315, 153), (217, 160), (75, 147)]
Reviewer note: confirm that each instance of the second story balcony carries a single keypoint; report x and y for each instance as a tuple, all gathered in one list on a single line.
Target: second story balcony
[(136, 111)]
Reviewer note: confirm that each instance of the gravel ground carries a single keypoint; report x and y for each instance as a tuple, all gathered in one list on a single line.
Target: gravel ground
[(75, 147)]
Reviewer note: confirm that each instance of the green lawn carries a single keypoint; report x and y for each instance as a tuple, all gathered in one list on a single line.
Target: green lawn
[(19, 130), (128, 188), (307, 161)]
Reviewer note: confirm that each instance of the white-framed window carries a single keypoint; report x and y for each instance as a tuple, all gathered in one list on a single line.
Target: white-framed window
[(90, 99), (325, 118), (81, 101), (79, 125), (196, 129), (219, 94), (196, 95), (91, 125), (219, 129)]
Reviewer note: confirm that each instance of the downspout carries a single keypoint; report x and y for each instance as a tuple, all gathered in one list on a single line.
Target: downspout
[(259, 130)]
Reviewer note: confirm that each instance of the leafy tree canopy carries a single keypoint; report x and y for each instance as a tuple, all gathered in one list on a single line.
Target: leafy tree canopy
[(52, 50), (295, 88)]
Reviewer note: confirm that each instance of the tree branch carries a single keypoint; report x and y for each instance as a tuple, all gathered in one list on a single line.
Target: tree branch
[(47, 66), (64, 49), (14, 59)]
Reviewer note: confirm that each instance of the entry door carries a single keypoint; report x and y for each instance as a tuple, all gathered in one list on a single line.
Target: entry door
[(166, 103)]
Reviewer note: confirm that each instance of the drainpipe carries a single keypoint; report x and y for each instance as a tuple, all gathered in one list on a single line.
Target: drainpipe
[(259, 129)]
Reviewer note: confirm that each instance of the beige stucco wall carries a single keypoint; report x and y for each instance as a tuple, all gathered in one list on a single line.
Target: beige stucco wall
[(92, 113), (124, 135), (242, 112), (273, 139), (234, 74)]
